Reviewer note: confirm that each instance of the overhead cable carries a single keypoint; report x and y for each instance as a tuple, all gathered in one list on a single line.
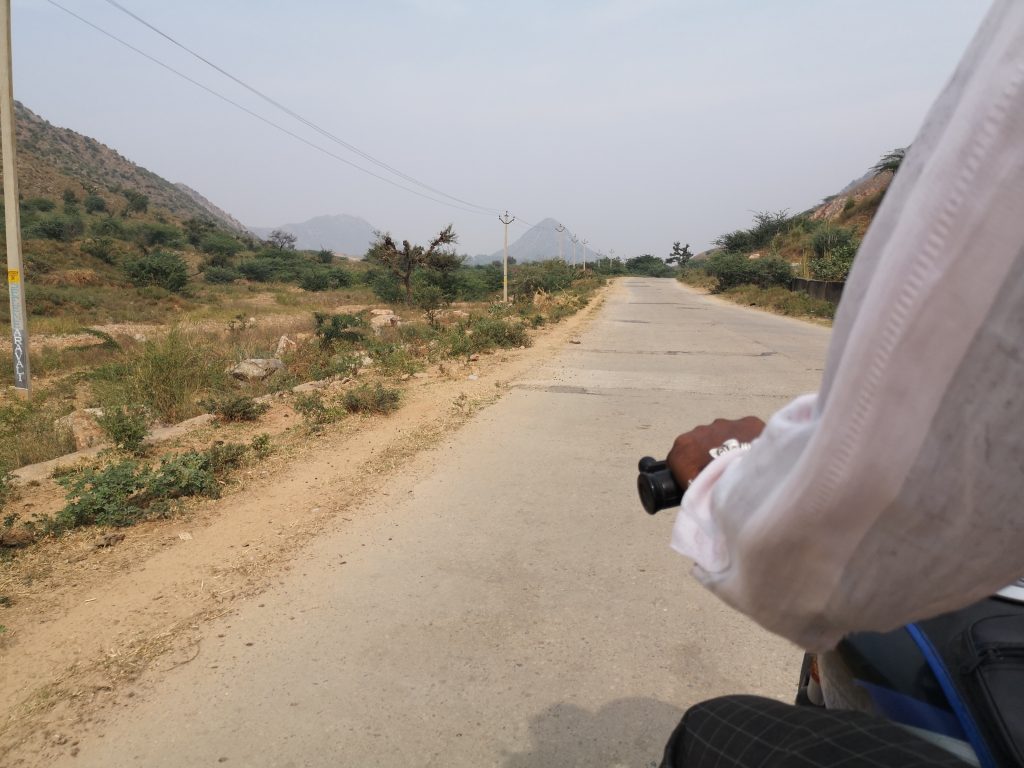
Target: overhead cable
[(305, 121), (261, 118)]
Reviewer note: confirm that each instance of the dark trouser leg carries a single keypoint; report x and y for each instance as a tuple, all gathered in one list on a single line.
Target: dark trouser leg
[(751, 732)]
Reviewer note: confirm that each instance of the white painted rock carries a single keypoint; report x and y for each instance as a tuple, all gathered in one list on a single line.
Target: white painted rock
[(380, 322), (256, 369), (311, 386), (284, 345)]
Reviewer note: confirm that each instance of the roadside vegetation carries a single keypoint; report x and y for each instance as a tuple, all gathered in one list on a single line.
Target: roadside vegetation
[(348, 346), (756, 266)]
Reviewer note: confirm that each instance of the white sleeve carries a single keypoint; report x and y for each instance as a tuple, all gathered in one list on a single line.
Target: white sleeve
[(892, 494)]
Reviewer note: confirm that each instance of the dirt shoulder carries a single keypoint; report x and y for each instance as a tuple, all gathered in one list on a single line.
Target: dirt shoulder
[(88, 618), (774, 301)]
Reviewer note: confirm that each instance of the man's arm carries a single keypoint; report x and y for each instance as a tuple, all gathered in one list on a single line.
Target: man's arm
[(893, 494)]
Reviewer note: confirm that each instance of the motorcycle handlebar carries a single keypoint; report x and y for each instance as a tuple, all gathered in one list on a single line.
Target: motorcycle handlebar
[(657, 487)]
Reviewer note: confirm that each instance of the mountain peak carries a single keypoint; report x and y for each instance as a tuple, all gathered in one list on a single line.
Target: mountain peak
[(339, 232), (540, 242)]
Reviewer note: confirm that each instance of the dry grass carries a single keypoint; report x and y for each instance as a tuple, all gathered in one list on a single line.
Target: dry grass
[(75, 277), (782, 301)]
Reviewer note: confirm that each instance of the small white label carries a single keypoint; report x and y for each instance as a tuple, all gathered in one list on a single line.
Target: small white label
[(731, 444)]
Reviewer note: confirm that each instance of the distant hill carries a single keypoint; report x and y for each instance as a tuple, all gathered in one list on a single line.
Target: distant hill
[(347, 235), (52, 160), (538, 243)]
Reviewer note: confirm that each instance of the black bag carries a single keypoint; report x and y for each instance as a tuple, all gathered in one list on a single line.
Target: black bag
[(977, 655)]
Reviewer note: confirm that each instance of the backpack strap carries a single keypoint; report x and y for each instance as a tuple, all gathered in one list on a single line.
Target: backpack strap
[(960, 708)]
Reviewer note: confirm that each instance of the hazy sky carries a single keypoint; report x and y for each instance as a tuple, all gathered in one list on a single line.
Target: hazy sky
[(634, 122)]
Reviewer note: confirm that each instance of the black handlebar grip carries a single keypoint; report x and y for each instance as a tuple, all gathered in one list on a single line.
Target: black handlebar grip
[(657, 487)]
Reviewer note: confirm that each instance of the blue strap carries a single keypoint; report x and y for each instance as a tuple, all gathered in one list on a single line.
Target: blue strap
[(963, 714)]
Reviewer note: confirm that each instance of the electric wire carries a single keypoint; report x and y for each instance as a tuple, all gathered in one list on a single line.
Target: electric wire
[(263, 119), (305, 121)]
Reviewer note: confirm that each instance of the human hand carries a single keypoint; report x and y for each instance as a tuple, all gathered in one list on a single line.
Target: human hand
[(691, 451)]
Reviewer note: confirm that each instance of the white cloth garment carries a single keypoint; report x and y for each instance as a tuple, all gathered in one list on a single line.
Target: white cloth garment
[(897, 491)]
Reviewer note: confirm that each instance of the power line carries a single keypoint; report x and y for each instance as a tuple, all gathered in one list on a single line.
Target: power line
[(297, 116), (261, 118)]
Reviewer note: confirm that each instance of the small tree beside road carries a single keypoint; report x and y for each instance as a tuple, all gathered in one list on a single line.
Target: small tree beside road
[(405, 261), (679, 256)]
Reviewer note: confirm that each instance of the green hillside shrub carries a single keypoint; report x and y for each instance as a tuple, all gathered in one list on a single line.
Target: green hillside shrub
[(40, 204), (219, 244), (94, 204), (828, 239), (109, 227), (835, 264), (137, 202), (57, 226), (733, 269), (152, 234), (257, 270), (220, 275), (101, 248), (315, 280), (161, 268)]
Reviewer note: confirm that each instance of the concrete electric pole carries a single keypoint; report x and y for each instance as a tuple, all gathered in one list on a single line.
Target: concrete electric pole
[(560, 229), (506, 220), (574, 241), (585, 255), (15, 269)]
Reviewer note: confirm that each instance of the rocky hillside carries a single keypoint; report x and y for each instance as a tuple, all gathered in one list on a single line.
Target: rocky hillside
[(868, 189), (52, 160), (218, 214)]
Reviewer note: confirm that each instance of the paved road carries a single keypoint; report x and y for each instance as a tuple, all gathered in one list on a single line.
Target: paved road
[(507, 603)]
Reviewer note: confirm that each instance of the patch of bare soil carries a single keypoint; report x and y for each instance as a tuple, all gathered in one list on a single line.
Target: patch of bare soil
[(91, 611)]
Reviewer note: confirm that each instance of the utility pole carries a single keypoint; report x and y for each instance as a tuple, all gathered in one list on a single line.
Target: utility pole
[(574, 241), (585, 255), (15, 269), (611, 255), (560, 229), (506, 220)]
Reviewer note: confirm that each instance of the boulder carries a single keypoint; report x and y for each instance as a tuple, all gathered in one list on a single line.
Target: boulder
[(256, 369), (284, 345), (311, 386), (381, 321), (83, 426)]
